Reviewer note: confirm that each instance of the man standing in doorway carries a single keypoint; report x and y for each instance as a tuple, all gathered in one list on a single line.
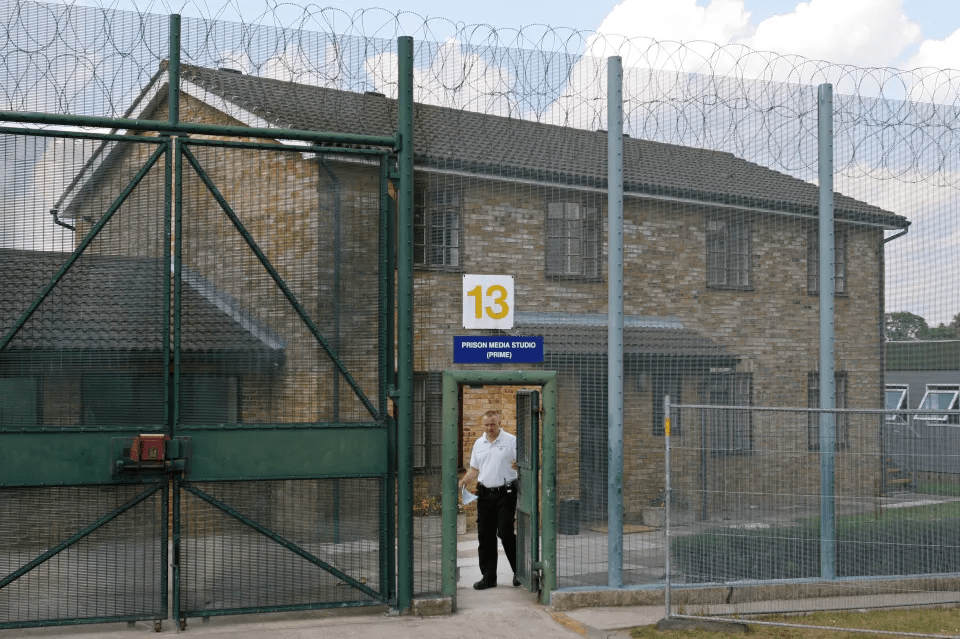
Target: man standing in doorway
[(493, 463)]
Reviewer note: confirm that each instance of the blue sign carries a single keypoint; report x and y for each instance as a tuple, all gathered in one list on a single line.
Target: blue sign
[(498, 350)]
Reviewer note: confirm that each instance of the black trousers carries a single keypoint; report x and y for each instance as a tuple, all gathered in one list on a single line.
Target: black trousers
[(496, 513)]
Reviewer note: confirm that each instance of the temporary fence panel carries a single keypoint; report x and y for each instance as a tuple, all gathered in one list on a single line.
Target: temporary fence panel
[(746, 525)]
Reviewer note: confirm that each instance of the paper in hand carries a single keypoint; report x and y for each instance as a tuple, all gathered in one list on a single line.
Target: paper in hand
[(468, 497)]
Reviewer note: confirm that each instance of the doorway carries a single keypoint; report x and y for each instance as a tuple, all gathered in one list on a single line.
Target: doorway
[(539, 550)]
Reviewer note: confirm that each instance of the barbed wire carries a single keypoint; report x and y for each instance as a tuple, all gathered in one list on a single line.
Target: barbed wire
[(894, 123)]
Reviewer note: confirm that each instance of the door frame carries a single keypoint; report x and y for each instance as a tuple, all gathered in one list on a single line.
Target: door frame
[(452, 382)]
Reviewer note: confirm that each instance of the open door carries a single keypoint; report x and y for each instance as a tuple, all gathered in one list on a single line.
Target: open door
[(528, 466), (537, 461)]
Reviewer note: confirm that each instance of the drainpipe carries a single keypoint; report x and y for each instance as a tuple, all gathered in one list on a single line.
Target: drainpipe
[(59, 222)]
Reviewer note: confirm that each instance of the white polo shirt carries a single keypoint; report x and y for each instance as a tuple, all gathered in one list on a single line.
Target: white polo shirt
[(495, 459)]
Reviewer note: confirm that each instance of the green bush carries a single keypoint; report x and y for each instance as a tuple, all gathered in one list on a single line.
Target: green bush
[(894, 547)]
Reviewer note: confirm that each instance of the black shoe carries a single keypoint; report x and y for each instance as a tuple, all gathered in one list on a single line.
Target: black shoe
[(516, 582), (483, 584)]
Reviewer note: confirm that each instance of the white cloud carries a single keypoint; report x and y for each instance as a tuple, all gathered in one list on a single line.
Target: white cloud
[(862, 32), (453, 78), (871, 33), (935, 70), (680, 20), (939, 54)]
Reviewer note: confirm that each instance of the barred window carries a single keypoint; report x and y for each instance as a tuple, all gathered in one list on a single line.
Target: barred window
[(19, 405), (437, 224), (728, 253), (730, 431), (839, 261), (573, 240), (427, 423), (813, 419)]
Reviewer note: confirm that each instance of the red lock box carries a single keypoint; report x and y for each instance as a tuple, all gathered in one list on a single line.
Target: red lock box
[(148, 448)]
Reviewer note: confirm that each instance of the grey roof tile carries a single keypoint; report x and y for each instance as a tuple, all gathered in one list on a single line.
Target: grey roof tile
[(116, 303), (510, 148)]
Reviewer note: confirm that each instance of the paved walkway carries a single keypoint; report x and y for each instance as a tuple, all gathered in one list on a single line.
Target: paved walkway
[(504, 612)]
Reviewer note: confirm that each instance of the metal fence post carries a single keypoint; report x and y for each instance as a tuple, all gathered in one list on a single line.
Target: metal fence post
[(405, 328), (666, 505), (615, 322), (827, 391)]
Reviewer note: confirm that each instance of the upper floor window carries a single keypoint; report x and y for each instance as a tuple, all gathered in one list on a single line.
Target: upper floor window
[(841, 421), (839, 261), (437, 226), (573, 240), (730, 430), (728, 253)]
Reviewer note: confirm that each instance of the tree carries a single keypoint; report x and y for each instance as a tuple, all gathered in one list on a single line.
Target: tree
[(945, 331), (903, 326)]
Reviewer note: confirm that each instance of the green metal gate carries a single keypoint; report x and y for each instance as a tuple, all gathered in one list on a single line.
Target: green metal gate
[(528, 466), (198, 384)]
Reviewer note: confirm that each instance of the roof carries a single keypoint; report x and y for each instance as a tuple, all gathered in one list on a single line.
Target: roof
[(116, 304), (508, 148), (573, 335)]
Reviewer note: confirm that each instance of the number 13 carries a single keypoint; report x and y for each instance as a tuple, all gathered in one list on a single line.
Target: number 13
[(499, 301)]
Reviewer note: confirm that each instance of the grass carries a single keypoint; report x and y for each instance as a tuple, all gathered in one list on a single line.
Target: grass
[(952, 490), (938, 621)]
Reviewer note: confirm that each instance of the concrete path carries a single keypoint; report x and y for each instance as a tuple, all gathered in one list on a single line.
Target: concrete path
[(503, 612)]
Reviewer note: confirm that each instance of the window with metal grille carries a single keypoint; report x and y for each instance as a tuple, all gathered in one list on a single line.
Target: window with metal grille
[(427, 426), (19, 405), (841, 423), (665, 384), (839, 261), (730, 431), (437, 224), (573, 240), (728, 253)]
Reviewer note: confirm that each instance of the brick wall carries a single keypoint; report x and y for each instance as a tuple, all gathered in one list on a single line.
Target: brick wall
[(771, 328)]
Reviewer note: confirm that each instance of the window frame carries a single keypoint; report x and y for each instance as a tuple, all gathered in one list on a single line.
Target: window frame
[(427, 436), (724, 261), (439, 200), (563, 260), (839, 260), (727, 430), (842, 422), (932, 390), (21, 403)]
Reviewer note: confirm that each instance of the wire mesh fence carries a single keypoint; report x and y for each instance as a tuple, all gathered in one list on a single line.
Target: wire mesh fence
[(747, 522), (721, 269), (280, 545), (130, 538)]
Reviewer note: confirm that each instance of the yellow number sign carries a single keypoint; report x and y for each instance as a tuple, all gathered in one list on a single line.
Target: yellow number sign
[(488, 301)]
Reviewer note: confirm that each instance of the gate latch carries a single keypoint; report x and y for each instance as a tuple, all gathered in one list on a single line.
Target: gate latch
[(149, 452), (148, 449)]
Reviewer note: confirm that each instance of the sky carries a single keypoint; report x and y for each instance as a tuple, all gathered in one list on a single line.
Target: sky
[(897, 34), (900, 33)]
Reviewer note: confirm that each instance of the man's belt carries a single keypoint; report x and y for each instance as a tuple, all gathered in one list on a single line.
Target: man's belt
[(485, 490)]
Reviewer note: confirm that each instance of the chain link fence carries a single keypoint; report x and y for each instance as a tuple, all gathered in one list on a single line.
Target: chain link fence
[(721, 264)]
